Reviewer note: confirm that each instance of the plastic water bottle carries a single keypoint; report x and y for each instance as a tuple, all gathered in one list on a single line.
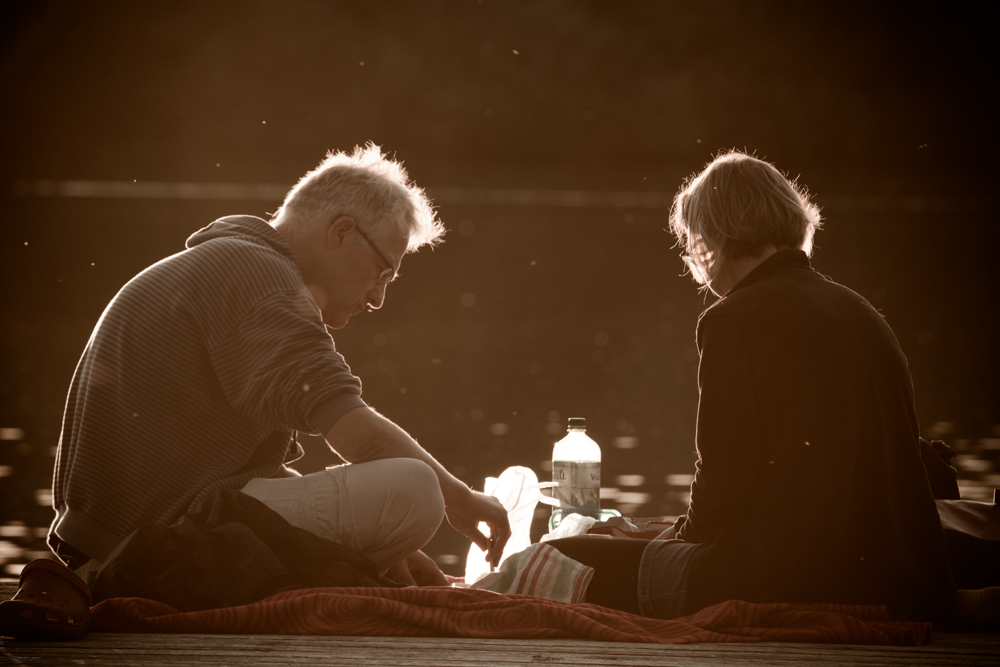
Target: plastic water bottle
[(576, 467)]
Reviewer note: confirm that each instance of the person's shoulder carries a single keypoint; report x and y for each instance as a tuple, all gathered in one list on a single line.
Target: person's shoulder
[(240, 245), (825, 289), (749, 297), (770, 295), (780, 285), (236, 232), (801, 295), (725, 310)]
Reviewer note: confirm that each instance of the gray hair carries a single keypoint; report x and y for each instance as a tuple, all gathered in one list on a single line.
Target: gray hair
[(370, 187), (736, 207)]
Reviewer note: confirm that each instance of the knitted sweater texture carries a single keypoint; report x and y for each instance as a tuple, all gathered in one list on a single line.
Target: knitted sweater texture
[(195, 379)]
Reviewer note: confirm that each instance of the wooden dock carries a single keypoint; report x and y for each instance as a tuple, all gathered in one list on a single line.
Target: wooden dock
[(183, 650)]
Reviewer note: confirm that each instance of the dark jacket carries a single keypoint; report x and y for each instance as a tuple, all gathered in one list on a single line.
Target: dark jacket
[(809, 484)]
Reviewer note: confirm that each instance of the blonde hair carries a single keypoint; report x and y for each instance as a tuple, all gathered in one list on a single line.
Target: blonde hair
[(736, 207), (370, 187)]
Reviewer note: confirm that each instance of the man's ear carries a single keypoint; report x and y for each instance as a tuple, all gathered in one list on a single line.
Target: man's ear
[(339, 230)]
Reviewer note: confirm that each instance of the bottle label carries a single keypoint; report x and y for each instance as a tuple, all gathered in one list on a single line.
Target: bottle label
[(579, 484)]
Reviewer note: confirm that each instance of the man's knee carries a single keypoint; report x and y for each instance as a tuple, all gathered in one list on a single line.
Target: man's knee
[(418, 481), (412, 511)]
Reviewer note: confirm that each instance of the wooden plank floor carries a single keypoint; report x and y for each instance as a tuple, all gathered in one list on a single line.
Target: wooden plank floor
[(161, 650)]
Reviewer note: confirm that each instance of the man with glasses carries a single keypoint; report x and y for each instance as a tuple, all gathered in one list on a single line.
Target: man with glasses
[(206, 364)]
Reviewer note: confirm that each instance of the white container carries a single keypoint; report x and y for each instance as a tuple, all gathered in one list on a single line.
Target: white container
[(576, 467), (519, 491)]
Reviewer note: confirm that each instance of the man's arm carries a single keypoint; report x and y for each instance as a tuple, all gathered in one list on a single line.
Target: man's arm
[(361, 434)]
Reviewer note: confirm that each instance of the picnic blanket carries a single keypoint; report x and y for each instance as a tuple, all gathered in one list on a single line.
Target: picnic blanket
[(236, 567), (440, 611)]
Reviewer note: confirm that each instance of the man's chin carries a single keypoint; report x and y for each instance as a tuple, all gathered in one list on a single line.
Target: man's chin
[(338, 322)]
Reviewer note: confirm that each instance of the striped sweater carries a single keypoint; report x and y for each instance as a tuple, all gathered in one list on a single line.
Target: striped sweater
[(195, 379)]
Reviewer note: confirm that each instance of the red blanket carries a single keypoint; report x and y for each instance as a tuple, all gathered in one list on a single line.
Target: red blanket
[(451, 612)]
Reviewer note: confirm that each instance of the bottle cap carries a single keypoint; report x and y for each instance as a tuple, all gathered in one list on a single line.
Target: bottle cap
[(577, 422)]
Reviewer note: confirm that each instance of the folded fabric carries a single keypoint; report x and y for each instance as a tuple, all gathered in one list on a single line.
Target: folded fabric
[(541, 571), (441, 611), (640, 528)]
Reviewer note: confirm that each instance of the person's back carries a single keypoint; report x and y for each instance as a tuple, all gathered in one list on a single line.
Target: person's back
[(184, 389), (810, 487), (809, 484)]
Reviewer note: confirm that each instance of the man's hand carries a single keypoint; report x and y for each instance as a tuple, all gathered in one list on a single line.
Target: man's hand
[(363, 435), (417, 569), (465, 516)]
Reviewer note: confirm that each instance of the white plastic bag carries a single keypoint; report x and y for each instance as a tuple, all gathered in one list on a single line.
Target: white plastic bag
[(519, 491), (572, 524)]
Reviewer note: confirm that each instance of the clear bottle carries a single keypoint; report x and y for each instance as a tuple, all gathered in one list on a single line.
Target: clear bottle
[(576, 467)]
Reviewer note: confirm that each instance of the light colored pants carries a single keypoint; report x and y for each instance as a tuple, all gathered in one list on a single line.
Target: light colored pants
[(384, 510)]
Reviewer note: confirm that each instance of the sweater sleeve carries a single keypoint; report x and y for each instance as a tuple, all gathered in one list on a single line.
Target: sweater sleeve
[(728, 432), (279, 364)]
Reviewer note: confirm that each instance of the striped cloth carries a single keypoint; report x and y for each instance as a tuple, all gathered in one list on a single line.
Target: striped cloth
[(541, 571)]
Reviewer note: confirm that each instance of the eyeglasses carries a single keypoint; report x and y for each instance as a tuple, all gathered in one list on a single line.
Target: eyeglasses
[(388, 275)]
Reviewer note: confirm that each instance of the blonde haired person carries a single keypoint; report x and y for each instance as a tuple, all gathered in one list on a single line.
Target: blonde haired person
[(735, 210), (809, 484)]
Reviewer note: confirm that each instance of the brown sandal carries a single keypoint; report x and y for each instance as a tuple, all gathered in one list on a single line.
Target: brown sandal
[(52, 603)]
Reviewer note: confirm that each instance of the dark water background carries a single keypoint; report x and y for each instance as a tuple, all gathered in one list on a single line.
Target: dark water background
[(527, 314)]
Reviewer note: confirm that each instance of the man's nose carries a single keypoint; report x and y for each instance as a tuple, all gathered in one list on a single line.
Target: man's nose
[(376, 297)]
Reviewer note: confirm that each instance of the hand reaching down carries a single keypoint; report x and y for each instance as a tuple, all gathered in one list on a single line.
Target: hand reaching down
[(417, 569), (476, 507)]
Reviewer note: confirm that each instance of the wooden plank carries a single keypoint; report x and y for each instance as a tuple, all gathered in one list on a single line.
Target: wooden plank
[(211, 650)]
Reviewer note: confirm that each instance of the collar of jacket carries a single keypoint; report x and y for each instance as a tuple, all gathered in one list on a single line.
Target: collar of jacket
[(784, 259)]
